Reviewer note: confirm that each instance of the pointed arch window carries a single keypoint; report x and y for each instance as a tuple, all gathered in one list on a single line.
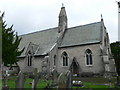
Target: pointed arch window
[(105, 41), (65, 59), (88, 54), (29, 59), (54, 60)]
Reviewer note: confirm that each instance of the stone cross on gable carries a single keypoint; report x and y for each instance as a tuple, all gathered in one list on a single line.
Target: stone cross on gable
[(62, 5)]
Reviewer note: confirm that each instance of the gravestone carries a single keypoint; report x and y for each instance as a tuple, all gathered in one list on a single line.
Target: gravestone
[(54, 78), (69, 79), (20, 82), (45, 65), (21, 79), (35, 80), (61, 81), (5, 76)]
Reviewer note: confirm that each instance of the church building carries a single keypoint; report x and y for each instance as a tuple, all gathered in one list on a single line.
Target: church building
[(81, 49)]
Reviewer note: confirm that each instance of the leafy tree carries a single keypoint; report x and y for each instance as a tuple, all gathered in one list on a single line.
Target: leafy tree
[(10, 43), (115, 49), (0, 40)]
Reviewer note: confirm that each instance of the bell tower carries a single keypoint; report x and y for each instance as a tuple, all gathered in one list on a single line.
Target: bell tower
[(62, 25)]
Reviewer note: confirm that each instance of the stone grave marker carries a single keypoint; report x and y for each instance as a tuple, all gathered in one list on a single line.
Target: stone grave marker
[(68, 79), (54, 78), (61, 81), (5, 75), (20, 82), (36, 79)]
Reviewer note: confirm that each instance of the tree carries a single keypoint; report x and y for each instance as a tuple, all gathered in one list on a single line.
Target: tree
[(0, 40), (10, 43), (115, 49)]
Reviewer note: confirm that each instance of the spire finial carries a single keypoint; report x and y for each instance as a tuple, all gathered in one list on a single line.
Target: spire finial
[(101, 17), (62, 5)]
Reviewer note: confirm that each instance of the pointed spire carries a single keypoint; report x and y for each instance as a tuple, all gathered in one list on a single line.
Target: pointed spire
[(62, 11), (62, 19)]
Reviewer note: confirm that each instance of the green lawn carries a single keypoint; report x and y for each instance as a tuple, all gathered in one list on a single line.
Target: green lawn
[(96, 79), (12, 80), (88, 83), (96, 82), (0, 84), (94, 85)]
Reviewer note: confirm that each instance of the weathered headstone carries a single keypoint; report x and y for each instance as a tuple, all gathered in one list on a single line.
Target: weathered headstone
[(5, 76), (61, 81), (6, 81), (35, 80), (54, 78), (46, 65), (69, 79), (20, 82)]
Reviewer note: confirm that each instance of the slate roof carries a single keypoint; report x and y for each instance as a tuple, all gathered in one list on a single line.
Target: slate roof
[(46, 39), (90, 33)]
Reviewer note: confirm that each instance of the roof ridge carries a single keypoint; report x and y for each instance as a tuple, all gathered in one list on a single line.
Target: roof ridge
[(39, 31), (57, 27), (84, 25)]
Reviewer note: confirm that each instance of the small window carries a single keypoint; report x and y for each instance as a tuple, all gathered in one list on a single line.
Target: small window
[(105, 41), (54, 60), (29, 59), (65, 59), (88, 55)]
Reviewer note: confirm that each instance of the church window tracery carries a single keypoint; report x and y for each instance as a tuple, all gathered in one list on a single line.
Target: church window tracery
[(89, 60), (54, 60), (65, 59), (29, 59)]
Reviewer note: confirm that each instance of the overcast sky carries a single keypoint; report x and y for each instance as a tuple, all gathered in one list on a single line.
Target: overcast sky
[(34, 15)]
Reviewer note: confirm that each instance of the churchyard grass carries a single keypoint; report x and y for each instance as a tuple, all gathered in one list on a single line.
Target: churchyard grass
[(96, 82), (0, 83), (96, 79), (28, 84), (42, 84), (92, 83)]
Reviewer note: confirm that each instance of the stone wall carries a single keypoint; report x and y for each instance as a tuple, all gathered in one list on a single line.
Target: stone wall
[(79, 53), (36, 63), (53, 52)]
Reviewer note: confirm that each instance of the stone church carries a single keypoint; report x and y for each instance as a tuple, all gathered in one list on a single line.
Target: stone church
[(81, 49)]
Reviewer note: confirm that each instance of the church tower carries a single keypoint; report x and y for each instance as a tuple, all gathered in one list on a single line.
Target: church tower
[(62, 25)]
